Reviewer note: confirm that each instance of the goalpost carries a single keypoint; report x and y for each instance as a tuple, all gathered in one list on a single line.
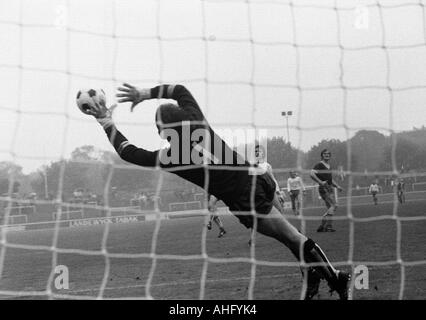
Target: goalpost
[(338, 66)]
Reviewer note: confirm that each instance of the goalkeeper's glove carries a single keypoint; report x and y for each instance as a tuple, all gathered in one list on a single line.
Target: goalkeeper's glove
[(104, 116), (135, 95)]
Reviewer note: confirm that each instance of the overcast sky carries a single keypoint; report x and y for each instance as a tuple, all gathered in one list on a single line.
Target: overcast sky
[(360, 66)]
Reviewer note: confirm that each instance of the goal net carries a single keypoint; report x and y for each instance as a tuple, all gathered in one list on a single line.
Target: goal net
[(297, 76)]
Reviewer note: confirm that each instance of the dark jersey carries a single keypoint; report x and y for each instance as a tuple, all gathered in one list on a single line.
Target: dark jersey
[(323, 173), (196, 152), (401, 186)]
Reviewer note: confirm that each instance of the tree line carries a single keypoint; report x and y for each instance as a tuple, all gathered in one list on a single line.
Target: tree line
[(101, 171)]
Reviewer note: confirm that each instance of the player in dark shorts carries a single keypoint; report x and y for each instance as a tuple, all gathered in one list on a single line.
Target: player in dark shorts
[(322, 174), (373, 190), (221, 171), (400, 187)]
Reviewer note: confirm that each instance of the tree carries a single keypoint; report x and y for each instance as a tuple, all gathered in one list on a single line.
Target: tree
[(10, 171), (5, 184), (93, 170), (83, 170), (407, 154), (86, 153), (281, 154), (368, 146), (339, 151)]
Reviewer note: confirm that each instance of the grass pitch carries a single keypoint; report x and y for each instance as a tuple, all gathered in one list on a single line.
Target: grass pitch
[(180, 270)]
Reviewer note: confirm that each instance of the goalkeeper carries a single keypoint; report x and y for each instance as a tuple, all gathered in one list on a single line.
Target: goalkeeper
[(220, 171)]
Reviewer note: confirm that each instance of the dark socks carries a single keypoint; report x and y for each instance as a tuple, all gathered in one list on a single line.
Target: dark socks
[(313, 254)]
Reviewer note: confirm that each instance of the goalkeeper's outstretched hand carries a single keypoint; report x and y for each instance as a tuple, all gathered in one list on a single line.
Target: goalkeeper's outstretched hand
[(135, 95)]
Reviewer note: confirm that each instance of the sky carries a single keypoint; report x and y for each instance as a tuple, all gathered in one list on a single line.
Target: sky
[(338, 66)]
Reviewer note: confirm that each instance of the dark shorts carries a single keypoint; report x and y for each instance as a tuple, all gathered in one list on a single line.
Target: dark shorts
[(327, 194), (294, 194), (263, 199)]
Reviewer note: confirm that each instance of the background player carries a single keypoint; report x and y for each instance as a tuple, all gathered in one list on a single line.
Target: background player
[(322, 174), (249, 196), (294, 186), (400, 188), (265, 167), (373, 190), (260, 155), (212, 201)]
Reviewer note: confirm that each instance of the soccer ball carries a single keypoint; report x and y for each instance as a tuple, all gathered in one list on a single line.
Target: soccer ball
[(89, 99)]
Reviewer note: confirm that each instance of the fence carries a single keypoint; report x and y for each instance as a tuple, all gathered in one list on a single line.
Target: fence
[(183, 206)]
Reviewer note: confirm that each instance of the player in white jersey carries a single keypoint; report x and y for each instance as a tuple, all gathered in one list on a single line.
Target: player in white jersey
[(212, 201), (265, 167), (294, 186), (373, 190), (261, 163)]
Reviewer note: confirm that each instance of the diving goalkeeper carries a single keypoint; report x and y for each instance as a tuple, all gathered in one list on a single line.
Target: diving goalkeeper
[(197, 154)]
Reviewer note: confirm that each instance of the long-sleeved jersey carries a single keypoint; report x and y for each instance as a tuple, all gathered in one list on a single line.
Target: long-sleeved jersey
[(196, 152), (295, 184), (374, 187), (265, 167)]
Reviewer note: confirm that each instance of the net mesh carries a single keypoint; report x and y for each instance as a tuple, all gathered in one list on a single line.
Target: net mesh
[(148, 40)]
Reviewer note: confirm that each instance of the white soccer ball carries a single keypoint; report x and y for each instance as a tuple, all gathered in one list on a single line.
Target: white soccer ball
[(89, 99)]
